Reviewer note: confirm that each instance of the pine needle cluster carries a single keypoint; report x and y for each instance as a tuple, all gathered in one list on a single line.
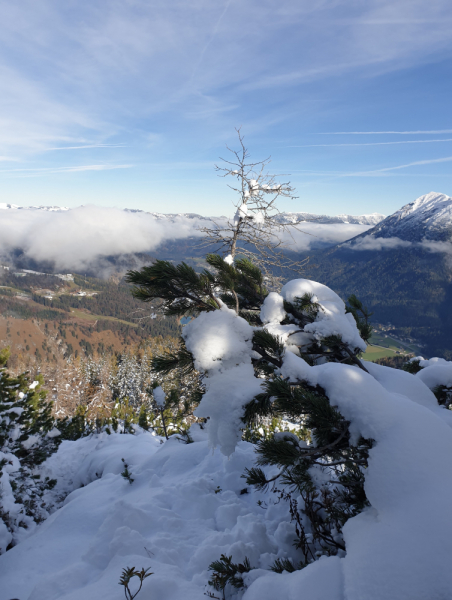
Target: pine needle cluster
[(225, 572), (328, 474)]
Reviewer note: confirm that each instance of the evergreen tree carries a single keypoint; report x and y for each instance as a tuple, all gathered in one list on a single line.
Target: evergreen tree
[(128, 382), (321, 466), (185, 292)]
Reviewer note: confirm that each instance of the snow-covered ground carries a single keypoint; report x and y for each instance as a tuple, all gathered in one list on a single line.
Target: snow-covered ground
[(186, 507), (183, 510)]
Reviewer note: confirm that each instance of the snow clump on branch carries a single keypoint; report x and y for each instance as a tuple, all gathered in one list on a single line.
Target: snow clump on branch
[(332, 318), (221, 344)]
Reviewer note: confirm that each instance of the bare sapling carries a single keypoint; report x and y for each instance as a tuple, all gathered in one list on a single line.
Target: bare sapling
[(258, 230)]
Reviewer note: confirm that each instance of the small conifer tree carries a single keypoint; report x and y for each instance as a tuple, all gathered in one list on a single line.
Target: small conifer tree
[(319, 505)]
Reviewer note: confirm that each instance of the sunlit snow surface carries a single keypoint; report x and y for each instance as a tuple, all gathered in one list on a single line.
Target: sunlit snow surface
[(182, 511), (185, 508)]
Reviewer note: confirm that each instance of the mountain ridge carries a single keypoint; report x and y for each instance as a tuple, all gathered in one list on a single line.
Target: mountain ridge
[(283, 217), (428, 218), (401, 270)]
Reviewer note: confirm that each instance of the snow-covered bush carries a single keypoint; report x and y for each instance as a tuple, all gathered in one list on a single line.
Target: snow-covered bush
[(359, 477), (29, 434), (27, 438), (436, 373), (242, 350)]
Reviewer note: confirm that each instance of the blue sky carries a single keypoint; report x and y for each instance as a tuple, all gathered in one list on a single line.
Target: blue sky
[(131, 102)]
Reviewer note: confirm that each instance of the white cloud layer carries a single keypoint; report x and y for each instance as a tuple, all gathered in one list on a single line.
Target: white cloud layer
[(372, 243), (80, 238), (311, 234)]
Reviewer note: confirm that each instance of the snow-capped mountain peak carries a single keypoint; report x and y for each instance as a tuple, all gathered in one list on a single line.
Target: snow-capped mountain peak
[(295, 217), (429, 217)]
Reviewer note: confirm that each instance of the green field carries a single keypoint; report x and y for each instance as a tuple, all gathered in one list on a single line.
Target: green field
[(375, 352), (388, 346), (12, 289)]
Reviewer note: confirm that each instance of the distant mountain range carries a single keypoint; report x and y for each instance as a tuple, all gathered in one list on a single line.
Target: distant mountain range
[(285, 217), (4, 206)]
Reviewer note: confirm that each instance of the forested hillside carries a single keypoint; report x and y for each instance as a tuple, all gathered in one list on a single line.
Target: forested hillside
[(408, 288), (94, 305)]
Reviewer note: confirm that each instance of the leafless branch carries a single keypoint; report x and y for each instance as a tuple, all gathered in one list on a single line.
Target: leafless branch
[(258, 230)]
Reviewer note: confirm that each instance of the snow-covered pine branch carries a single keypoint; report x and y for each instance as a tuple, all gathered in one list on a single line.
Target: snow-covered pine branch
[(27, 438)]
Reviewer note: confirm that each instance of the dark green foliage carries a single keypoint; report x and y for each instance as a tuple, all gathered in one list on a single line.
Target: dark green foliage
[(361, 315), (250, 285), (412, 367), (182, 290), (307, 306), (225, 572), (126, 473), (143, 418), (186, 292), (283, 564), (25, 422), (443, 394), (33, 416), (269, 346), (257, 478), (327, 506), (180, 359), (77, 426), (261, 405), (127, 574), (304, 309)]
